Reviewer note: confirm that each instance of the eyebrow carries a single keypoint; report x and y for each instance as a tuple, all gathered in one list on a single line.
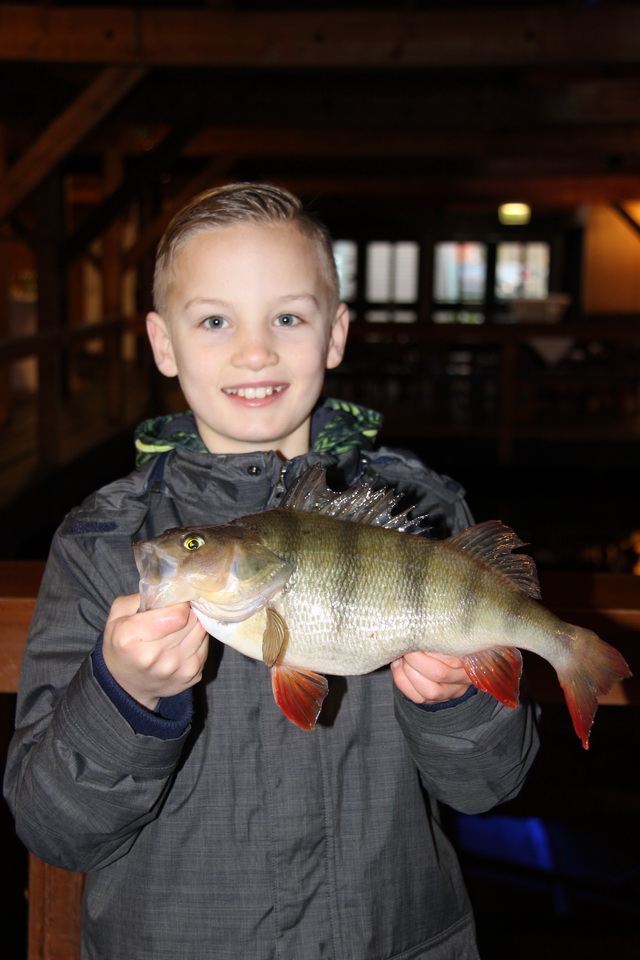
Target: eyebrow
[(206, 302), (293, 297), (214, 302)]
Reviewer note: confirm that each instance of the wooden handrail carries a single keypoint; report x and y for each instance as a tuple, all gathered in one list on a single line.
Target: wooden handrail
[(34, 345)]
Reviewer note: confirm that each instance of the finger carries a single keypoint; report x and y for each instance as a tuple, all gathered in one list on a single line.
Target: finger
[(437, 668), (424, 689), (124, 606), (195, 638), (173, 622), (126, 625)]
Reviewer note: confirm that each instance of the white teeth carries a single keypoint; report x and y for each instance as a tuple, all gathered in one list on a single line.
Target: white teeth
[(253, 393)]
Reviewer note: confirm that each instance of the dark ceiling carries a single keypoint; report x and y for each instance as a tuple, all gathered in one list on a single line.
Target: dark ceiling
[(454, 105)]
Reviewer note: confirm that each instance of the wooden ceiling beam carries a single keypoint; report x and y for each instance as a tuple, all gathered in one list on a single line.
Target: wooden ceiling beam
[(64, 134), (432, 143), (546, 192), (149, 167), (534, 36), (408, 100)]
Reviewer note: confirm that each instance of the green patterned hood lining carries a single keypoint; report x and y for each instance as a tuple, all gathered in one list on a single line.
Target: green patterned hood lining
[(337, 426)]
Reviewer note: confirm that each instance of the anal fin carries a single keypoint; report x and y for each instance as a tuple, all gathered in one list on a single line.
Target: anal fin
[(496, 671), (299, 694)]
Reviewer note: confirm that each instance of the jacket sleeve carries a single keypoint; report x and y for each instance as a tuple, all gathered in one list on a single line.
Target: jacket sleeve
[(474, 754), (80, 782)]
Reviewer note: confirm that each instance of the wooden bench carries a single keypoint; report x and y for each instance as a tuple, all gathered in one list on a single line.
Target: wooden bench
[(607, 603)]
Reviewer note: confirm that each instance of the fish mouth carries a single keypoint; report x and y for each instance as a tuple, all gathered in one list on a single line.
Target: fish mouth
[(157, 572)]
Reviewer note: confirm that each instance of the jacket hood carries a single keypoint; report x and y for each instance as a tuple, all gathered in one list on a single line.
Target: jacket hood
[(337, 426)]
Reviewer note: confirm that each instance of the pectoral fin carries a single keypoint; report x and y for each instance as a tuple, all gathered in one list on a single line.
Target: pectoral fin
[(275, 637), (299, 694), (496, 671)]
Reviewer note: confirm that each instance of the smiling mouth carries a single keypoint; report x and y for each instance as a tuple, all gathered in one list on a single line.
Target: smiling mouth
[(253, 393)]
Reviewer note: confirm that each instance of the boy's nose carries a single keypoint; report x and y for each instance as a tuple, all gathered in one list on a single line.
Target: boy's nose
[(254, 352)]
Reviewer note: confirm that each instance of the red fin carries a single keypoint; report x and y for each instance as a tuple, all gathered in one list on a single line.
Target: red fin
[(592, 669), (492, 543), (299, 694), (496, 671)]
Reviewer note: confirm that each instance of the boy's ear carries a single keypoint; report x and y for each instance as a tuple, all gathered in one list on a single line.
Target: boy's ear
[(161, 345), (338, 337)]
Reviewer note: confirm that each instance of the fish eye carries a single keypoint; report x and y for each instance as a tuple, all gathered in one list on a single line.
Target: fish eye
[(193, 541)]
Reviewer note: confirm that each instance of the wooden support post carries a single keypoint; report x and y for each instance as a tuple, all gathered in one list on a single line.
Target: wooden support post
[(64, 134), (112, 305), (49, 233), (5, 305), (55, 901)]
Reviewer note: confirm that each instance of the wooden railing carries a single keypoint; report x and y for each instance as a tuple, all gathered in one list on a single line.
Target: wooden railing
[(607, 603), (375, 342), (396, 360), (50, 349)]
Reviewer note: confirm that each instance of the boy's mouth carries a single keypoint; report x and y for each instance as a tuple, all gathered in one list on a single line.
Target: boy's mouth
[(258, 392)]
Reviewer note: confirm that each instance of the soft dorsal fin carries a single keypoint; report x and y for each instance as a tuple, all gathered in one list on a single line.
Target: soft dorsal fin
[(358, 504), (492, 542)]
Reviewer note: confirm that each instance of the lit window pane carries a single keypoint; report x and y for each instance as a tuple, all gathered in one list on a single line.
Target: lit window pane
[(522, 270), (392, 272), (379, 272), (346, 256), (406, 273), (460, 272)]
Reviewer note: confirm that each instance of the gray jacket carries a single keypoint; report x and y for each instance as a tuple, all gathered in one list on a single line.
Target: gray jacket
[(243, 837)]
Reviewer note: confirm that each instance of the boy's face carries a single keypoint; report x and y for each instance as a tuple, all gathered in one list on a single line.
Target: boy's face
[(249, 330)]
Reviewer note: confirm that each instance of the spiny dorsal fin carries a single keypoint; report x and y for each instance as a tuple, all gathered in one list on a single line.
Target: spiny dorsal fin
[(358, 504), (493, 542)]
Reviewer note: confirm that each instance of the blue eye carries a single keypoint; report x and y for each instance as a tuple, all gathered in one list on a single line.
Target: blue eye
[(214, 323), (288, 320)]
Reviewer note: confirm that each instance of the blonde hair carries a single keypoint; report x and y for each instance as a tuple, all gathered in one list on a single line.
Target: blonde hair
[(240, 203)]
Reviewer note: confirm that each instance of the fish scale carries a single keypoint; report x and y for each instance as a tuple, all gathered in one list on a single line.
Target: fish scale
[(335, 584)]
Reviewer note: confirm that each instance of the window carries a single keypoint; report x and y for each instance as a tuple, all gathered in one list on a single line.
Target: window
[(389, 284), (522, 270), (460, 279), (474, 279)]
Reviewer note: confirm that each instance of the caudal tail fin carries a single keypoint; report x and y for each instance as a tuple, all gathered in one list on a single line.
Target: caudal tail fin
[(590, 672)]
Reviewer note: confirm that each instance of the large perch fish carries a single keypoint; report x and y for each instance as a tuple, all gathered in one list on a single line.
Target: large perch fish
[(335, 583)]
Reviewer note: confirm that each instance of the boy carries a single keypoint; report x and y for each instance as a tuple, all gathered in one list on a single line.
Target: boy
[(154, 758)]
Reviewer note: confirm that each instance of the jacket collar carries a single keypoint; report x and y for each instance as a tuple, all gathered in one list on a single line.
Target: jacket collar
[(337, 427)]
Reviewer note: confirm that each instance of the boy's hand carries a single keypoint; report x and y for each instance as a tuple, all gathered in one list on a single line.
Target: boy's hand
[(430, 677), (155, 653)]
